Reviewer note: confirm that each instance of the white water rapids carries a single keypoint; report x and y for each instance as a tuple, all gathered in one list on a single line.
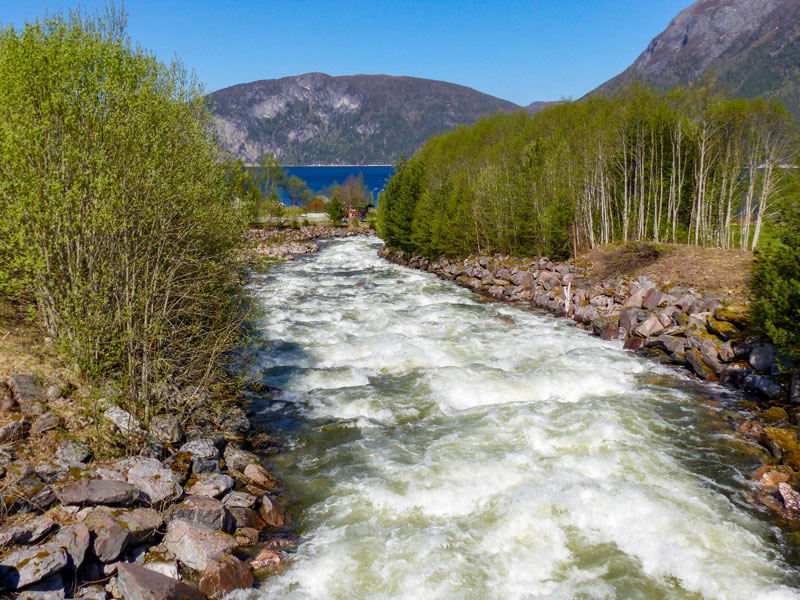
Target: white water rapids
[(437, 450)]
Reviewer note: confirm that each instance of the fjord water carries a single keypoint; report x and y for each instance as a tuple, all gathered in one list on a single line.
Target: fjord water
[(436, 449)]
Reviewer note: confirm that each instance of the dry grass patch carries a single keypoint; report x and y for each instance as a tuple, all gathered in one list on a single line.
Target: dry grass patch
[(713, 271)]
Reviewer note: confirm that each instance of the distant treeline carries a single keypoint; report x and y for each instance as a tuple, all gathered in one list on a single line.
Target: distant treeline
[(690, 166)]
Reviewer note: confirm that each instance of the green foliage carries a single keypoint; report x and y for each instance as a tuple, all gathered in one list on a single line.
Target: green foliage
[(690, 166), (296, 189), (335, 210), (119, 214), (776, 285)]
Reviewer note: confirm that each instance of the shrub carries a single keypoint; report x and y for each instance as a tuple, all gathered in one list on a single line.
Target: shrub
[(118, 218), (776, 285)]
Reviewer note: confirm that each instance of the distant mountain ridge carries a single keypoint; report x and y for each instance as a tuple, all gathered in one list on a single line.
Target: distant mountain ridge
[(360, 119), (752, 47)]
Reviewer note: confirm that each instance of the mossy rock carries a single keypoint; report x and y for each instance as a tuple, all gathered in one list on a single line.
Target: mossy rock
[(724, 330), (785, 438), (775, 413), (738, 315)]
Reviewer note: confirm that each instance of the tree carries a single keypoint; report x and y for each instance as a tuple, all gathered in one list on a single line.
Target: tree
[(336, 210), (119, 218), (295, 189)]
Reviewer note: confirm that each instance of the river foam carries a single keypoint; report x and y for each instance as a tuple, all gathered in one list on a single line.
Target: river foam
[(439, 450)]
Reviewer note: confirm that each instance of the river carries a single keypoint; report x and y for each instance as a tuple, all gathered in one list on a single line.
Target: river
[(436, 449)]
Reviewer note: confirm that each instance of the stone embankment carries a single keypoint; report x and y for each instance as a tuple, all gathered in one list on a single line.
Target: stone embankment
[(193, 515), (285, 244), (672, 323)]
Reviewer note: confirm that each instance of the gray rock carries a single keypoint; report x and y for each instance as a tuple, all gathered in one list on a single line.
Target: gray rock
[(726, 353), (46, 422), (628, 318), (72, 451), (635, 299), (156, 481), (702, 370), (108, 537), (244, 517), (95, 491), (763, 386), (165, 567), (27, 533), (141, 522), (239, 499), (212, 485), (201, 448), (667, 343), (235, 421), (51, 588), (794, 392), (205, 511), (710, 353), (762, 356), (75, 540), (27, 390), (25, 567), (92, 592), (238, 459), (14, 429), (166, 428), (194, 544), (208, 435), (123, 420), (652, 298), (53, 470), (140, 583), (585, 314), (29, 494), (261, 477)]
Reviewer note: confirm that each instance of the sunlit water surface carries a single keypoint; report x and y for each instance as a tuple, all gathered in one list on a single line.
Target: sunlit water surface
[(435, 450)]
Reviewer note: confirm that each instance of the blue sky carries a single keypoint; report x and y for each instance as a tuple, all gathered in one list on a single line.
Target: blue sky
[(518, 51)]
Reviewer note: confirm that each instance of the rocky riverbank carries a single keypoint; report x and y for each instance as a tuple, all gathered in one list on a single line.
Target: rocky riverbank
[(285, 244), (193, 514), (672, 323)]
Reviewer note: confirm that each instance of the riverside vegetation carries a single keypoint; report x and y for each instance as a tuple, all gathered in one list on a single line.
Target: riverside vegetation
[(121, 243)]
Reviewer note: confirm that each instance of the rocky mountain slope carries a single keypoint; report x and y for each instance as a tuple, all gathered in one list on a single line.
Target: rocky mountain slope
[(360, 119), (752, 47)]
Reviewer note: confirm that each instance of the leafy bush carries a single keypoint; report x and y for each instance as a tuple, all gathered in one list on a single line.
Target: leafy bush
[(119, 218), (776, 286), (336, 211)]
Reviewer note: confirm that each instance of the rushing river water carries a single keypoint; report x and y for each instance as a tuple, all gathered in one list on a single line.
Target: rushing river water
[(437, 450)]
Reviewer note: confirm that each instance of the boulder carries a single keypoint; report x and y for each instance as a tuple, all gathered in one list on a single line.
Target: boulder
[(95, 491), (123, 420), (633, 343), (157, 482), (246, 517), (762, 356), (635, 299), (140, 583), (52, 470), (791, 499), (205, 511), (213, 485), (238, 459), (72, 451), (108, 537), (702, 370), (166, 428), (722, 329), (205, 455), (165, 567), (75, 540), (585, 314), (235, 421), (27, 494), (667, 343), (28, 566), (726, 352), (141, 522), (763, 386), (271, 512), (769, 478), (26, 533), (15, 428), (28, 392), (260, 476), (709, 350), (45, 422), (651, 326), (91, 592), (195, 545), (652, 298), (628, 318), (737, 315), (268, 557), (51, 588), (225, 574), (239, 499), (794, 392)]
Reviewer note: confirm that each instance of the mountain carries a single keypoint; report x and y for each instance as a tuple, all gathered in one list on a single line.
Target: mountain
[(752, 47), (360, 119), (535, 107)]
